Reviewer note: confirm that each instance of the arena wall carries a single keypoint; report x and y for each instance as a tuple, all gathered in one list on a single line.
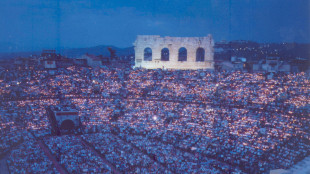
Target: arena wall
[(157, 43)]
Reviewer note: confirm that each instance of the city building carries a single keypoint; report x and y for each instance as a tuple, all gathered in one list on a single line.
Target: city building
[(49, 63), (271, 65), (92, 60)]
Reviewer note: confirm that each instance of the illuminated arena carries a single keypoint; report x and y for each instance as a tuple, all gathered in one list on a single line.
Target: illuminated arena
[(154, 87), (155, 121)]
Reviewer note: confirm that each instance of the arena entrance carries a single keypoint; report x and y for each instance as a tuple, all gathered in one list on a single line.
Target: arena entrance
[(67, 125), (64, 120)]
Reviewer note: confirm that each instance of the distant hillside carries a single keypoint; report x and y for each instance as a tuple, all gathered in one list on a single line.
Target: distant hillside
[(74, 52), (98, 50), (257, 51), (223, 51), (17, 54)]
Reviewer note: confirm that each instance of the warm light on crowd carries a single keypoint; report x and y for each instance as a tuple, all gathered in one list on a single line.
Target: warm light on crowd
[(171, 121)]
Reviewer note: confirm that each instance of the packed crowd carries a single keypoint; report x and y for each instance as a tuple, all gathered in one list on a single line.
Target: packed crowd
[(19, 116), (230, 121), (29, 158), (12, 131), (9, 134), (177, 160), (123, 155), (74, 156), (238, 137), (67, 82)]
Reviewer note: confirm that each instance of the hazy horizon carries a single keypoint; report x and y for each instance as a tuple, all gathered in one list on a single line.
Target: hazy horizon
[(35, 25)]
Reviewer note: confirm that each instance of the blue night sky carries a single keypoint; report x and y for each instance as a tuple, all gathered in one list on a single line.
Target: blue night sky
[(37, 24)]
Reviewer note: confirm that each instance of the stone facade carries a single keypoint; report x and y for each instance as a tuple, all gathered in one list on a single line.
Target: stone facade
[(152, 51)]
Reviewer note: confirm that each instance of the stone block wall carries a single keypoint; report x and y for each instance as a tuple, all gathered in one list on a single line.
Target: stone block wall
[(157, 43)]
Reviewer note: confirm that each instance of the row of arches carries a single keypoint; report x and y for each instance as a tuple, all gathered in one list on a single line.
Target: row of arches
[(182, 54)]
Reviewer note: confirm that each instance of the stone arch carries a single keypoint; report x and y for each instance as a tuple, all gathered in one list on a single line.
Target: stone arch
[(148, 54), (200, 54), (182, 54), (165, 54), (67, 124)]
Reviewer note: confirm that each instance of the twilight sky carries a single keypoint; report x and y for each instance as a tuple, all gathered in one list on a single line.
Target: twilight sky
[(37, 24)]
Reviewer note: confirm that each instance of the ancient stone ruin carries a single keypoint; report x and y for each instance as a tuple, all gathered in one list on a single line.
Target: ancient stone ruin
[(153, 51)]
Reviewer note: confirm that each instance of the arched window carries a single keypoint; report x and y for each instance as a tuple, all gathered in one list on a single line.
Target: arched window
[(147, 54), (165, 54), (200, 55), (182, 54)]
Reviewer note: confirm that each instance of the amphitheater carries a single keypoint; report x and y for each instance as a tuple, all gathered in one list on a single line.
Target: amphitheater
[(143, 120)]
